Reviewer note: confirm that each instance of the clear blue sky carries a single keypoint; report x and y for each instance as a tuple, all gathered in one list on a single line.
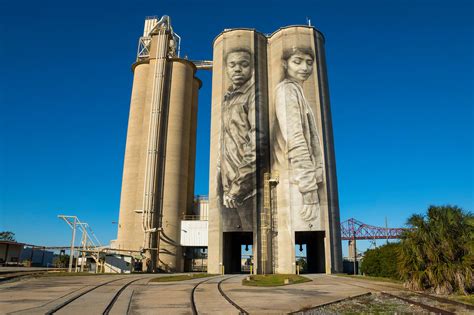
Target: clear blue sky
[(401, 77)]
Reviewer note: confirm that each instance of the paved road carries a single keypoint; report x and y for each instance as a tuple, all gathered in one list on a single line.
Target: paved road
[(92, 295)]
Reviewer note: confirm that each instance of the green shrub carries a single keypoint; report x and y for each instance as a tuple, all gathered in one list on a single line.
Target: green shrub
[(381, 261)]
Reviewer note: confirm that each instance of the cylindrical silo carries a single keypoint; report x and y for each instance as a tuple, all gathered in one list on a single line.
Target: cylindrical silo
[(158, 168), (192, 146), (130, 234), (176, 165), (239, 154), (305, 203)]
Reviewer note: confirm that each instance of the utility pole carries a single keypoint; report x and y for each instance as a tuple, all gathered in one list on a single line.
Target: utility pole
[(83, 258), (73, 222), (71, 253)]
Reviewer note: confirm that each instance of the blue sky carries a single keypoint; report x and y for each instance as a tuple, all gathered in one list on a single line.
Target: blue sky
[(401, 78)]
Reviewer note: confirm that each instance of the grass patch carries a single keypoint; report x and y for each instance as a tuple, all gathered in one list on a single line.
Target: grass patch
[(466, 299), (183, 277), (273, 280), (381, 279)]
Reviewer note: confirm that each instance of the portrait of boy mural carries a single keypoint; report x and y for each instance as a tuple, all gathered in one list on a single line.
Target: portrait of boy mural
[(236, 182)]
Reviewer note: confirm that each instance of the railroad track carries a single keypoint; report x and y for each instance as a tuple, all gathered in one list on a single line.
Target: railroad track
[(431, 303), (221, 291), (193, 299), (105, 296), (64, 305), (116, 297)]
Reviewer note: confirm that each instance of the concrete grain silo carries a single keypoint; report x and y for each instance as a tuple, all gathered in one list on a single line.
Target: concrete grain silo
[(162, 126), (239, 150), (302, 151), (272, 175)]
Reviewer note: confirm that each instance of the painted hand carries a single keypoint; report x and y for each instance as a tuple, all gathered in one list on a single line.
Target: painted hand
[(310, 212), (229, 202)]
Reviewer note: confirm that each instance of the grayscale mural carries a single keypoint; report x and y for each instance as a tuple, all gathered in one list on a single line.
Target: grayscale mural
[(297, 150), (271, 119), (236, 162)]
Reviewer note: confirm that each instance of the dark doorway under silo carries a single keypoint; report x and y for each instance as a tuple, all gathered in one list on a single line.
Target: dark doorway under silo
[(313, 258), (233, 254)]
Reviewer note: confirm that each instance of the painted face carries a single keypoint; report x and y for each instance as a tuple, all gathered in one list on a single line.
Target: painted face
[(300, 66), (239, 67)]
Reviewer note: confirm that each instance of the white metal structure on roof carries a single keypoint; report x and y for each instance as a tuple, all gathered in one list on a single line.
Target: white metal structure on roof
[(151, 26)]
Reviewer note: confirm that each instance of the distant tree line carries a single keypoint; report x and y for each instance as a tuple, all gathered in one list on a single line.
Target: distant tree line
[(7, 236), (436, 253)]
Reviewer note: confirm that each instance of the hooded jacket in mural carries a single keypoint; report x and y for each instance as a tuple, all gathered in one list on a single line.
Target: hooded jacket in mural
[(237, 154), (297, 146)]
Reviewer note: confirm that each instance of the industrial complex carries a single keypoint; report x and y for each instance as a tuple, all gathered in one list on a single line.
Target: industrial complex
[(272, 181)]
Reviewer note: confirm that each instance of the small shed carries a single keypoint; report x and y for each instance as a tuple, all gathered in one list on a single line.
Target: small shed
[(117, 263), (10, 252)]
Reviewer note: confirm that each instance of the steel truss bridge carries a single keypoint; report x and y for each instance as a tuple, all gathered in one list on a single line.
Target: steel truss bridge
[(353, 229)]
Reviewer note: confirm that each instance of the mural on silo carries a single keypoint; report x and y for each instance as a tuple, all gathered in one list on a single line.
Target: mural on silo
[(297, 151), (236, 162)]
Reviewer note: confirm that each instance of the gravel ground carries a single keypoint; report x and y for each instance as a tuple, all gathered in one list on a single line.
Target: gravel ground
[(369, 304)]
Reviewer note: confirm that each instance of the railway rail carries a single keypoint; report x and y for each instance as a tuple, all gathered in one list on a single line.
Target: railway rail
[(116, 295), (64, 304), (193, 299), (221, 291), (63, 307)]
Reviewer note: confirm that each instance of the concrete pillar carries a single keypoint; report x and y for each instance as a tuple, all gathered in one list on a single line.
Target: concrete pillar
[(351, 246)]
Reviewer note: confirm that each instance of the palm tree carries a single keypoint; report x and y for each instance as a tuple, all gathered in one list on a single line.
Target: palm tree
[(437, 252)]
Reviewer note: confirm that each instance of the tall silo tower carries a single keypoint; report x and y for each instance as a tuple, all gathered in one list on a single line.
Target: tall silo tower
[(158, 174)]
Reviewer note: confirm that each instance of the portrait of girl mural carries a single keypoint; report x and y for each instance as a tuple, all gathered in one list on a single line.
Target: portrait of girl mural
[(297, 147)]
